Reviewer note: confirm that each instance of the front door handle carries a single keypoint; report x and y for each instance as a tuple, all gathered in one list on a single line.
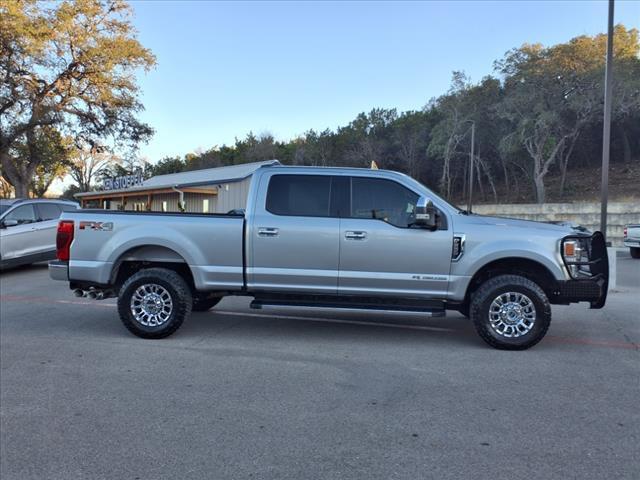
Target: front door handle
[(355, 235), (267, 232)]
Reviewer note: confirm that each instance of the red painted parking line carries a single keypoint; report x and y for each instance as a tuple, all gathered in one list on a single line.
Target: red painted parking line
[(595, 343), (551, 338)]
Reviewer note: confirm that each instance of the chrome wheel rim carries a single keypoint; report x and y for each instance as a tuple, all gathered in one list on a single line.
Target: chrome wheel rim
[(151, 305), (512, 314)]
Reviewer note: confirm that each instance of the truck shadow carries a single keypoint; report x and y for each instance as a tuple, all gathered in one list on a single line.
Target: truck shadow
[(328, 326)]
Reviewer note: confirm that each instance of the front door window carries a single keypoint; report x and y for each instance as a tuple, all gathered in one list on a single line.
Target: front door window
[(23, 214), (381, 199)]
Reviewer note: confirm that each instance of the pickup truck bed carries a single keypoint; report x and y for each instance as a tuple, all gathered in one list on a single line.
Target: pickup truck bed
[(212, 245)]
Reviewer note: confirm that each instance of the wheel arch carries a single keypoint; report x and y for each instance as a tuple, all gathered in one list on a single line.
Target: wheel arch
[(150, 256), (525, 267)]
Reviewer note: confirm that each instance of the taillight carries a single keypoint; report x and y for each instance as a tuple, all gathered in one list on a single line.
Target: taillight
[(64, 239), (624, 232)]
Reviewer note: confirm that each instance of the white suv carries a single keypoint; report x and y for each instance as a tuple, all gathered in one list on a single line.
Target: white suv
[(28, 230)]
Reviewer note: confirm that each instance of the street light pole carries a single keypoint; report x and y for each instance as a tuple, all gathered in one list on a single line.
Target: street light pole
[(473, 137), (606, 134)]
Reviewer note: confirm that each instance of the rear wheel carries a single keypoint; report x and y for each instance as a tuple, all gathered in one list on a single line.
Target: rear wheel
[(510, 312), (635, 252), (154, 302)]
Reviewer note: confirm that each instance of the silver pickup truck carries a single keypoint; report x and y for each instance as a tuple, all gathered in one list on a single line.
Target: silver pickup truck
[(334, 238), (632, 239)]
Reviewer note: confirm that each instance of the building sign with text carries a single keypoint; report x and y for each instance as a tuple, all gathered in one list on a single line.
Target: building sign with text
[(126, 181)]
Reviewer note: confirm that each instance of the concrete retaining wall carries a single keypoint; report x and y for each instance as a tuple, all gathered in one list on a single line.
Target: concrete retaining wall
[(585, 214)]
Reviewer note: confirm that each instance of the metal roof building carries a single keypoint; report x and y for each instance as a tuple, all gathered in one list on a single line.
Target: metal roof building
[(211, 190)]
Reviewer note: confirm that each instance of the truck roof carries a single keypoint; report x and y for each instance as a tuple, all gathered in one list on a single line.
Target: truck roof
[(369, 171)]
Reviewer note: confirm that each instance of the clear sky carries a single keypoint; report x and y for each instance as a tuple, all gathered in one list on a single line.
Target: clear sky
[(225, 69)]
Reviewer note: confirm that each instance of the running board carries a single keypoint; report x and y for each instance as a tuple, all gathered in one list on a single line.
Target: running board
[(426, 308)]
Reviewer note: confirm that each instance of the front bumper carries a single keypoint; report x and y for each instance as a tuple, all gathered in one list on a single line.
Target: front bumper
[(594, 288), (592, 291), (59, 270)]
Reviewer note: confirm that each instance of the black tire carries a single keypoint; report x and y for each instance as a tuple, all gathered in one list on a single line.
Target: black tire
[(204, 304), (178, 292), (490, 290), (635, 252)]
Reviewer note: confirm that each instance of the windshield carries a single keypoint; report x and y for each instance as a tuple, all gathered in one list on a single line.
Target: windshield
[(4, 208)]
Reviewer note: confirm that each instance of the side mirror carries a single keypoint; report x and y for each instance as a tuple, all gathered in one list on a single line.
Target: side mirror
[(426, 214), (9, 223)]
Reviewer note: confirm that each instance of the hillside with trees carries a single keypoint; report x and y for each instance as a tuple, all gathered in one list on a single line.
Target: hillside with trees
[(68, 103), (538, 129)]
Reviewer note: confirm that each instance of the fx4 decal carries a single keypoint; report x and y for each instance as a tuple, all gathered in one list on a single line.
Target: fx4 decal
[(101, 226)]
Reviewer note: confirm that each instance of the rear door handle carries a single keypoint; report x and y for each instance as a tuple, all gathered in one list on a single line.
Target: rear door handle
[(267, 232), (355, 235)]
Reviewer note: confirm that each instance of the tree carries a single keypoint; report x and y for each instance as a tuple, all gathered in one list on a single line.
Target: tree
[(50, 151), (366, 137), (167, 165), (452, 129), (320, 147), (260, 148), (87, 163), (410, 138), (70, 192), (530, 104), (69, 65), (552, 94)]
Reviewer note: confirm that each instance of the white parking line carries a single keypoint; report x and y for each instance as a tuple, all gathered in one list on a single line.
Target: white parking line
[(97, 304)]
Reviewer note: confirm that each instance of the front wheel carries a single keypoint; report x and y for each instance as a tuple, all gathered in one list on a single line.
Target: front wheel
[(635, 252), (510, 312), (154, 302)]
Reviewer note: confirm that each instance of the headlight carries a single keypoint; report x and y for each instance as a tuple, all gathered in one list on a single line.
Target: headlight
[(575, 252)]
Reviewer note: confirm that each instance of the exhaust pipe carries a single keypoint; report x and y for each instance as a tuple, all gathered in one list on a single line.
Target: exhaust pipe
[(93, 293)]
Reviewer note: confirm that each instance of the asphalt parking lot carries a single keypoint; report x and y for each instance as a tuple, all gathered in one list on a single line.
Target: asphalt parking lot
[(292, 394)]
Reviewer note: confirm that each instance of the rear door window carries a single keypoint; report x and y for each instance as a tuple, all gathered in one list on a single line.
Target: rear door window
[(48, 211), (299, 195)]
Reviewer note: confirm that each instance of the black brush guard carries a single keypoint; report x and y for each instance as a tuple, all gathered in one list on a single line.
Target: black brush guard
[(594, 288)]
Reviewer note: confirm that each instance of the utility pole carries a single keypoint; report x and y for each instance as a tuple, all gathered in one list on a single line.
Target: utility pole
[(473, 141), (606, 133)]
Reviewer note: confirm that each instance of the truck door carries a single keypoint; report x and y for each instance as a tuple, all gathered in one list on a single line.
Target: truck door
[(292, 238), (380, 252)]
